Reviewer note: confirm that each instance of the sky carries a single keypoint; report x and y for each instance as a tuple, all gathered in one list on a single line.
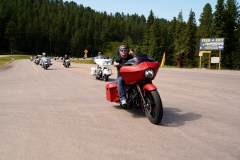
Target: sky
[(166, 9)]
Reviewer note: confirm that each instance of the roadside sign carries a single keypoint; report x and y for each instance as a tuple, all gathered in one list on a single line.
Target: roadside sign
[(214, 59), (211, 43), (85, 51)]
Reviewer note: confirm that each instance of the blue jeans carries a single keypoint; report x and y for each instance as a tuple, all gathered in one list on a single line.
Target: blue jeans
[(121, 90)]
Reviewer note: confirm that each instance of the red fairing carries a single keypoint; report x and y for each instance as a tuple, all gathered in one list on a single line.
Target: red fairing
[(135, 73)]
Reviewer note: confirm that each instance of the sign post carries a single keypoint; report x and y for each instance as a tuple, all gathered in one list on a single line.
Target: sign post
[(219, 64), (200, 55)]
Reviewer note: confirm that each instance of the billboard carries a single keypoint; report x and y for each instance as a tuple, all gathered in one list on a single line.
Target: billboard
[(211, 44)]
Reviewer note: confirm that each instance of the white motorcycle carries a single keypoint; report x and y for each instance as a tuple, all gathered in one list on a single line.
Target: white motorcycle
[(46, 62), (102, 70)]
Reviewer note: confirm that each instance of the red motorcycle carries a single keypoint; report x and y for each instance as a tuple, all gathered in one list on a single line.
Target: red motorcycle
[(138, 74)]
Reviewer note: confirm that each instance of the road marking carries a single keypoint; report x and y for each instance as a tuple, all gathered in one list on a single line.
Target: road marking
[(34, 67)]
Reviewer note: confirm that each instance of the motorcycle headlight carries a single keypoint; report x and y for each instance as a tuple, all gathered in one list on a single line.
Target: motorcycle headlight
[(149, 73), (45, 60)]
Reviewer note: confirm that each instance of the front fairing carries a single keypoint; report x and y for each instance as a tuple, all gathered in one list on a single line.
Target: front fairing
[(46, 60), (133, 71)]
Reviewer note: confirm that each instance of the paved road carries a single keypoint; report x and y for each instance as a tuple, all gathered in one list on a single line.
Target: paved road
[(62, 113)]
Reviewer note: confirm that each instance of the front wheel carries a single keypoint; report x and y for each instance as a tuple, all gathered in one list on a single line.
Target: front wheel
[(154, 108), (105, 78)]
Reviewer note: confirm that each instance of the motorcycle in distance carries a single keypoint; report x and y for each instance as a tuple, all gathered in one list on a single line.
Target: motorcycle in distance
[(102, 71), (46, 62), (37, 61), (141, 93), (67, 63)]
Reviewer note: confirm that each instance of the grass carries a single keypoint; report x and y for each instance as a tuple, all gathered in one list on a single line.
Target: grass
[(166, 66), (4, 60), (83, 61)]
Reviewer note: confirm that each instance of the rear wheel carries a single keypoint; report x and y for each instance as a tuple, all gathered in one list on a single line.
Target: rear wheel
[(154, 108)]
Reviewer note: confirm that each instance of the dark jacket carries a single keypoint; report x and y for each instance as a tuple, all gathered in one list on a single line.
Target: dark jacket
[(122, 61)]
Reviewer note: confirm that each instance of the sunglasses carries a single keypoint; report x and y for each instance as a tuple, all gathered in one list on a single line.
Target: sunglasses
[(123, 50)]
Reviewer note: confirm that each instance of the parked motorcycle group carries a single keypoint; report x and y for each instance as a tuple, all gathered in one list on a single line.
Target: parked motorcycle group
[(137, 73)]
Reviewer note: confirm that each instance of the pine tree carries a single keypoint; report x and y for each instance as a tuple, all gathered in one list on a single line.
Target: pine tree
[(231, 41), (190, 41), (11, 33), (146, 36), (205, 20), (204, 30), (179, 41), (219, 20)]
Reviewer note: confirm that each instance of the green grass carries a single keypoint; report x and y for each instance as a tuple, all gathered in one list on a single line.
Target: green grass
[(166, 66), (83, 61), (4, 60)]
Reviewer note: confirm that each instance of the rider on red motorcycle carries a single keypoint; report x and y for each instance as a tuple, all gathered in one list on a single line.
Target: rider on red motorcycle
[(119, 61), (137, 90)]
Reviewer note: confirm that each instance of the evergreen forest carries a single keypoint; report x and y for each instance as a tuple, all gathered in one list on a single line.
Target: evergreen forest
[(58, 28)]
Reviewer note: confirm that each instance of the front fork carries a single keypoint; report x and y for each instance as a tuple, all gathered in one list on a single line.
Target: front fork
[(148, 87), (139, 90)]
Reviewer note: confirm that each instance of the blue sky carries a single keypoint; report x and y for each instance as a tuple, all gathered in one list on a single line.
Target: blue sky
[(161, 8)]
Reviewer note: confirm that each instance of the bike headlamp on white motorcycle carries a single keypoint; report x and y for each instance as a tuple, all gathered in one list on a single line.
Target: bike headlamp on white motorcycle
[(149, 73)]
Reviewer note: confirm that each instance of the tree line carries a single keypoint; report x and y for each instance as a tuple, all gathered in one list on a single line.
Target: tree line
[(58, 28)]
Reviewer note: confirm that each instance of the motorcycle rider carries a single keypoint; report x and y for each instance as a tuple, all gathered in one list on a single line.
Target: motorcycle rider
[(122, 58), (43, 57), (100, 56), (65, 58)]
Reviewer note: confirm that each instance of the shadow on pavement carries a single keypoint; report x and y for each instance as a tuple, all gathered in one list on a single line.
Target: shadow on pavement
[(173, 118)]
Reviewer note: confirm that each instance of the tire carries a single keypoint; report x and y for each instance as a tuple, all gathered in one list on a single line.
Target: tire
[(97, 77), (105, 78), (154, 110)]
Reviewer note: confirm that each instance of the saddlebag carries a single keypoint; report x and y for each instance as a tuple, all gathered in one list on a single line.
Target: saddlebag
[(112, 92)]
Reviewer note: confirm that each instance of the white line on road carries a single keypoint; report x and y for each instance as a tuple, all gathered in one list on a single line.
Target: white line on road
[(34, 67)]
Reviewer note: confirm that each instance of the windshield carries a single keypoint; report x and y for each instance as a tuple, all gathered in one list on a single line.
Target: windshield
[(139, 59)]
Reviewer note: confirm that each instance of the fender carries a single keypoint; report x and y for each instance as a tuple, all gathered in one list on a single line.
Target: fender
[(149, 87)]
